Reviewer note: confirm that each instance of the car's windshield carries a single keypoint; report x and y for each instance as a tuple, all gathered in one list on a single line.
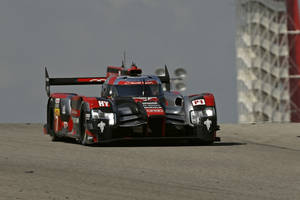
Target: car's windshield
[(138, 90)]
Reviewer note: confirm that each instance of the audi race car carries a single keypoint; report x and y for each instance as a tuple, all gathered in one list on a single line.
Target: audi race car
[(129, 106)]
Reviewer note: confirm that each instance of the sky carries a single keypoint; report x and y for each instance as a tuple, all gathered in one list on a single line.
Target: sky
[(80, 38)]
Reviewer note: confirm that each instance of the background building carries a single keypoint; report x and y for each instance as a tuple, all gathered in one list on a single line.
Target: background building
[(267, 46)]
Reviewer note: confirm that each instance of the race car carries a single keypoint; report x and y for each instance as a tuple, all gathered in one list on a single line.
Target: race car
[(129, 106)]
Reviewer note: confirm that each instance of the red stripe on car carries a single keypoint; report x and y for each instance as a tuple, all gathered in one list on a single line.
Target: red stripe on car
[(92, 135), (112, 80), (61, 95), (154, 111), (143, 99), (91, 79)]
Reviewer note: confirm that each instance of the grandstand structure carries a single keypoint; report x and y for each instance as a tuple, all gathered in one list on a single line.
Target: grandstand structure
[(268, 60)]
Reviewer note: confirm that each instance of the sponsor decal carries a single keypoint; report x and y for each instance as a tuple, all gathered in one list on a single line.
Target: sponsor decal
[(198, 102), (151, 105), (65, 124), (154, 110), (208, 124), (103, 103), (141, 99), (152, 99), (57, 100), (101, 125), (91, 79), (157, 111), (137, 83), (88, 116), (150, 82), (57, 111)]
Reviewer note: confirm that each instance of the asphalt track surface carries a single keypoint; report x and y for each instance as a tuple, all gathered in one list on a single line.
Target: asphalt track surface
[(259, 161)]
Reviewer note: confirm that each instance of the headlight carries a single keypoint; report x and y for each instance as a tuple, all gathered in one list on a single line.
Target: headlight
[(195, 116), (111, 118), (209, 112), (98, 114)]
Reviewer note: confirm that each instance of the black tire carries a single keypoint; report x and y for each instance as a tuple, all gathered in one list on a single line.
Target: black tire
[(83, 136), (50, 122), (54, 137), (203, 137)]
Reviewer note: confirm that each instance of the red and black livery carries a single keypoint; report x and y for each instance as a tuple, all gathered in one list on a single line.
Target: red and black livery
[(130, 105)]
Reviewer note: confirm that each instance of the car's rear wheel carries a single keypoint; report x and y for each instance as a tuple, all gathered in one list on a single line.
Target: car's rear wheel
[(50, 126), (54, 137)]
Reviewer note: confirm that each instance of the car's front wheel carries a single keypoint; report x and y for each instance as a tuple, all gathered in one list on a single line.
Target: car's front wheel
[(83, 137), (203, 136), (54, 137)]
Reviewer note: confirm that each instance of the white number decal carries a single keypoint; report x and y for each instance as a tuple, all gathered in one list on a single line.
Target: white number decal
[(198, 102), (103, 103)]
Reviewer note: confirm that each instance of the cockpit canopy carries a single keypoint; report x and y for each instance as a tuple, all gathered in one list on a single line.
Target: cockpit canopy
[(126, 86), (132, 90)]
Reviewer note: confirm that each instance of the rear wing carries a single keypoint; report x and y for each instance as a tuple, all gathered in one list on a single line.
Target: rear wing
[(71, 81), (166, 79), (99, 80)]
